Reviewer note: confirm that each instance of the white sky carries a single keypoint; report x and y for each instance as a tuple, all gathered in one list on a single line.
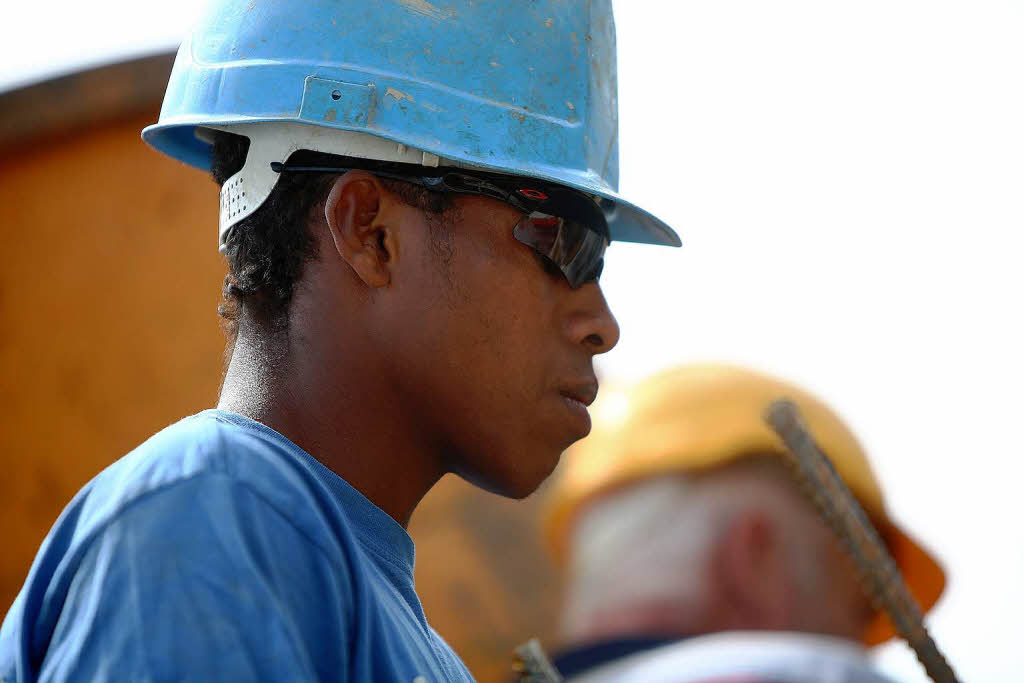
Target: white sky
[(847, 181)]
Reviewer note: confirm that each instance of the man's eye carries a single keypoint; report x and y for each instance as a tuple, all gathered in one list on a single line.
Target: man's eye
[(548, 265), (541, 231)]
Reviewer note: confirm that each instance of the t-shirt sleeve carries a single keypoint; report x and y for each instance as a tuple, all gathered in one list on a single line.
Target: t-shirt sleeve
[(202, 580)]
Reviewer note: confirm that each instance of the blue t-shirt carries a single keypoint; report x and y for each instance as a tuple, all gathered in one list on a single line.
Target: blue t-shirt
[(219, 550)]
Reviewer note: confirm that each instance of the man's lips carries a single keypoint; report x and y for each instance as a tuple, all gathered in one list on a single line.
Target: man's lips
[(585, 392), (577, 396)]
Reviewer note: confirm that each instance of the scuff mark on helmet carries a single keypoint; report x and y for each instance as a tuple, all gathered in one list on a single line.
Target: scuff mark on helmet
[(425, 8)]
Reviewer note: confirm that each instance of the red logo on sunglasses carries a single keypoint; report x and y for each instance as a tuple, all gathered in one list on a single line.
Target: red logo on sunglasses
[(533, 194)]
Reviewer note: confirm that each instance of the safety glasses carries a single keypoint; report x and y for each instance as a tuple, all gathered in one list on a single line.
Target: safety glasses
[(567, 228)]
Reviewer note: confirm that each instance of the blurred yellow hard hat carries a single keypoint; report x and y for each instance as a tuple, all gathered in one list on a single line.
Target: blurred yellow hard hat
[(702, 416)]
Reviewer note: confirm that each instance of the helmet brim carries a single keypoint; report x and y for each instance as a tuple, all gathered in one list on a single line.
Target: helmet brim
[(626, 221)]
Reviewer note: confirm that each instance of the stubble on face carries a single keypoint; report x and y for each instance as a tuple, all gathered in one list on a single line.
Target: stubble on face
[(499, 345)]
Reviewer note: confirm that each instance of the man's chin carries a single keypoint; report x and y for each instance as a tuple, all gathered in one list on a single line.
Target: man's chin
[(516, 483)]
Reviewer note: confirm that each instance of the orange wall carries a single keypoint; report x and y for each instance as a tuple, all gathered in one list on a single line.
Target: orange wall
[(109, 331)]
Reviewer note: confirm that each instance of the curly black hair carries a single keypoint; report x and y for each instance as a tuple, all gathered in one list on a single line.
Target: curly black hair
[(269, 249)]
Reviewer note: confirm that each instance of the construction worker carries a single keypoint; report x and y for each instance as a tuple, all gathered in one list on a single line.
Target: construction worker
[(691, 553), (416, 199)]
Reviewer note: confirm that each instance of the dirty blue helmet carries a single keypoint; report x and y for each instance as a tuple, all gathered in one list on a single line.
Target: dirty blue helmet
[(507, 86)]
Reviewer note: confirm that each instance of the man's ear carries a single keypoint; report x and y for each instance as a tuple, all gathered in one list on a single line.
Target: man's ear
[(354, 217), (751, 568)]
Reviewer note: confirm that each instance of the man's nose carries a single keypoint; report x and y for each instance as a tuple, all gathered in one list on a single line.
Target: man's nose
[(591, 322)]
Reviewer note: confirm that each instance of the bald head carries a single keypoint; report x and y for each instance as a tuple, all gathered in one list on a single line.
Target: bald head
[(735, 548)]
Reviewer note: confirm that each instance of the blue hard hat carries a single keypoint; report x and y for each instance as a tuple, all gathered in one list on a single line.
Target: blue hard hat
[(524, 88)]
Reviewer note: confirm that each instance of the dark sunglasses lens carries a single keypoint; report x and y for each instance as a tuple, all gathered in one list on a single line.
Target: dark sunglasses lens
[(574, 248)]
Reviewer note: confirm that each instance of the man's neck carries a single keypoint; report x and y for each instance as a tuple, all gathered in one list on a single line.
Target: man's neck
[(336, 408), (627, 621)]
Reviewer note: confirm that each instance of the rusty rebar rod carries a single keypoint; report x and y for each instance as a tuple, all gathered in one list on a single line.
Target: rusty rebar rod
[(879, 573)]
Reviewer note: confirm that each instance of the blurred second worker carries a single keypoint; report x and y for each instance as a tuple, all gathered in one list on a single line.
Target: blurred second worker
[(691, 554)]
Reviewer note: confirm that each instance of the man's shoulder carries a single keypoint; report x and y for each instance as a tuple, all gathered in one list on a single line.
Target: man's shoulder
[(234, 454), (208, 523), (772, 657), (209, 442)]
